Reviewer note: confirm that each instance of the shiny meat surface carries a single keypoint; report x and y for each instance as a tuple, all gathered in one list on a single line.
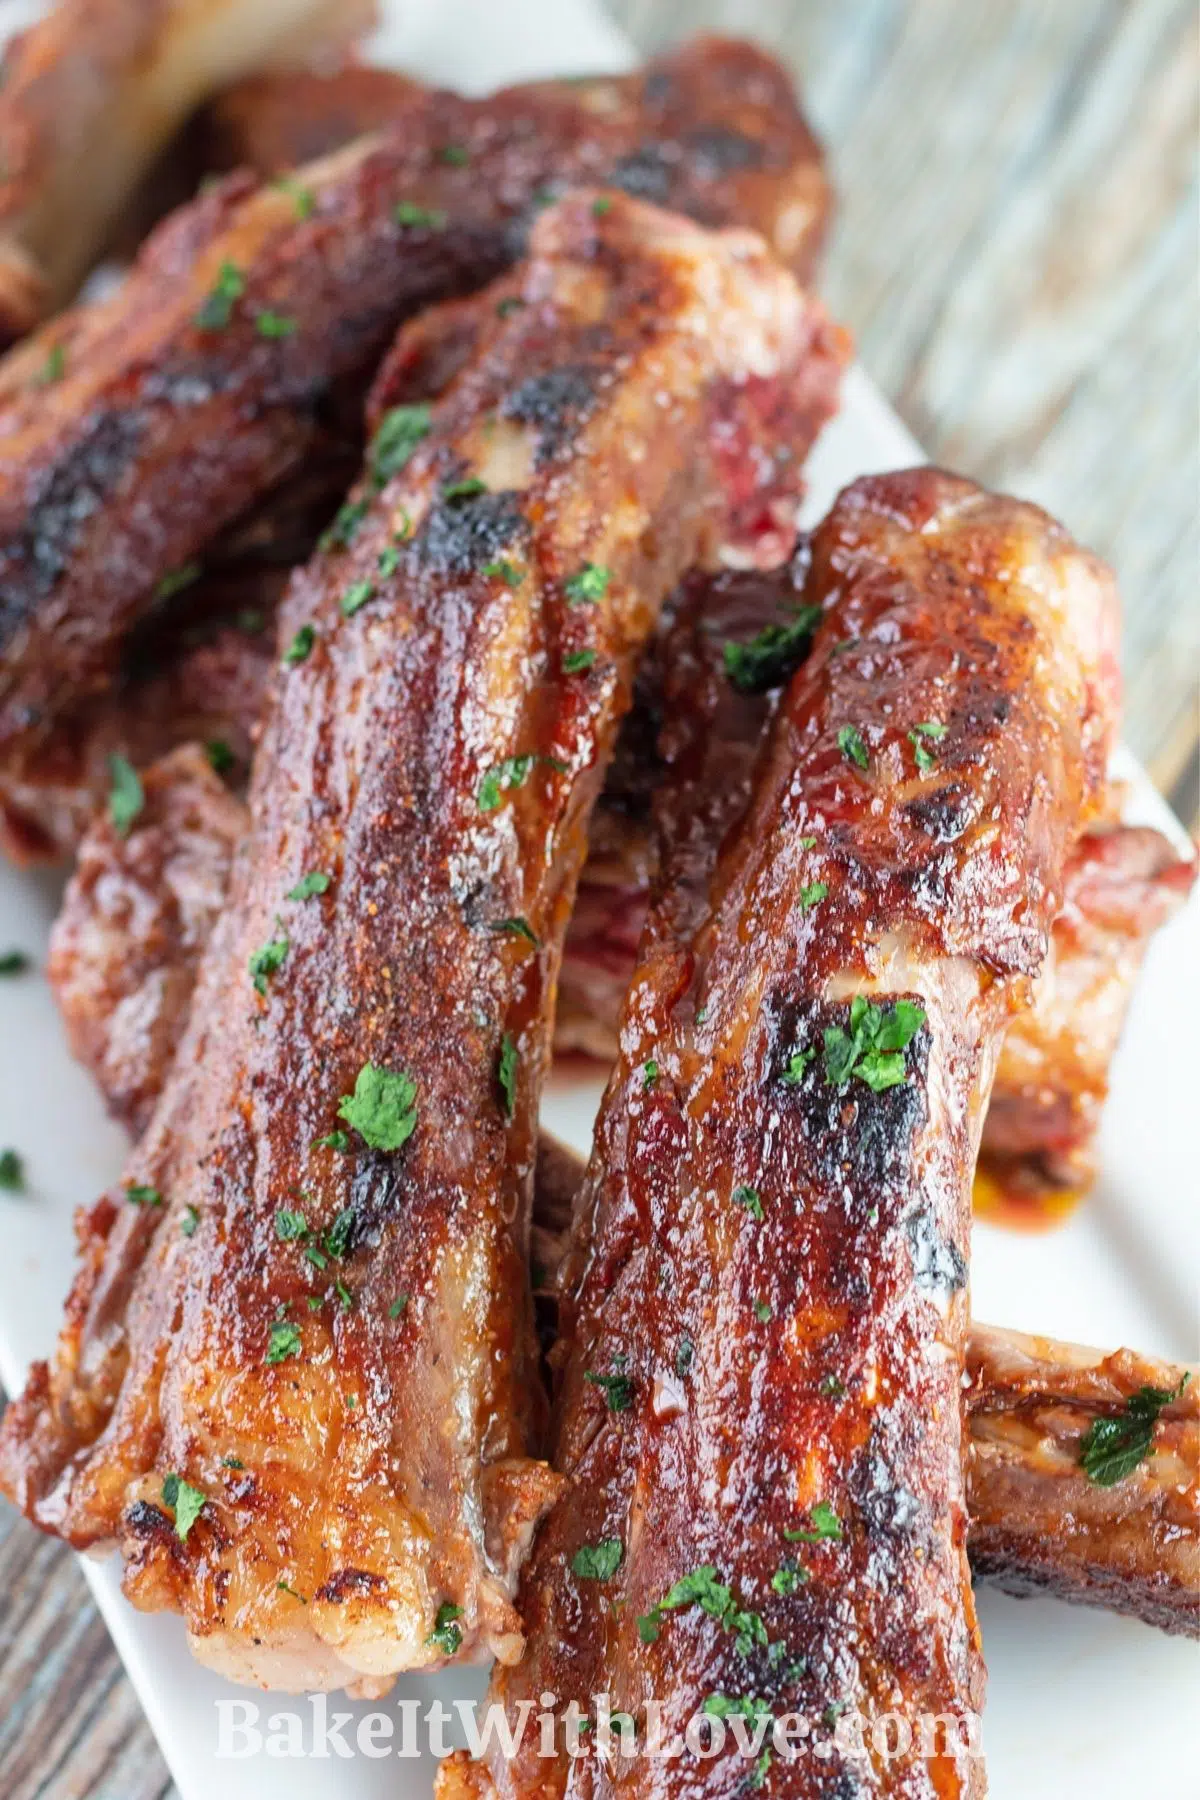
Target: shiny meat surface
[(770, 1251), (88, 97), (138, 912), (199, 385), (1038, 1522), (332, 1340), (271, 122)]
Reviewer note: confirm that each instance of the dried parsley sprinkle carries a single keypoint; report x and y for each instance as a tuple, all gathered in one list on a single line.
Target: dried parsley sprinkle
[(510, 304), (701, 1588), (190, 1220), (382, 1108), (389, 560), (273, 325), (446, 1634), (54, 367), (513, 772), (515, 927), (285, 1587), (598, 1562), (503, 570), (649, 1073), (427, 218), (506, 1074), (576, 661), (601, 205), (356, 596), (178, 579), (788, 1577), (398, 1305), (290, 1226), (850, 743), (143, 1196), (316, 882), (831, 1387), (126, 797), (685, 1352), (187, 1503), (762, 1311), (220, 757), (216, 309), (1113, 1448), (333, 1140), (463, 490), (400, 431), (588, 584), (346, 522), (923, 756), (769, 659), (813, 894), (285, 1341), (826, 1526), (617, 1389), (749, 1198), (12, 1171), (301, 645), (268, 959), (302, 198)]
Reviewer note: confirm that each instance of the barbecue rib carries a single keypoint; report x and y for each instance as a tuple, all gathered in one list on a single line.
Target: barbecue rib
[(419, 807), (768, 1266), (90, 95), (173, 406)]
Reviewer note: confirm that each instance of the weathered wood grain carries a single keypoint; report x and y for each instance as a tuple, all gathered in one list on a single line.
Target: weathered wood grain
[(1017, 252)]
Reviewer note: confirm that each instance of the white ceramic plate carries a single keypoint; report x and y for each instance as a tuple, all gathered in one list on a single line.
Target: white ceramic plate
[(1077, 1702)]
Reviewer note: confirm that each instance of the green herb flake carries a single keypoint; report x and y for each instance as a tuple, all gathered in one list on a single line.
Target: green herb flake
[(503, 570), (126, 796), (400, 431), (143, 1196), (701, 1588), (290, 1226), (749, 1198), (389, 561), (339, 1239), (831, 1387), (285, 1341), (771, 658), (54, 367), (316, 882), (797, 1063), (763, 1311), (285, 1587), (825, 1527), (597, 1562), (382, 1108), (187, 1503), (813, 894), (301, 646), (268, 959), (506, 1075), (232, 1462), (13, 962), (685, 1355), (446, 1635), (1114, 1447), (12, 1172), (178, 579), (216, 309), (513, 772), (650, 1073), (617, 1389), (419, 218), (515, 927), (850, 743), (872, 1051), (510, 304), (356, 596), (601, 205), (303, 199), (398, 1306), (588, 585), (788, 1577), (466, 489), (220, 757), (456, 156), (576, 661), (333, 1140), (344, 527), (273, 325), (190, 1220), (924, 757)]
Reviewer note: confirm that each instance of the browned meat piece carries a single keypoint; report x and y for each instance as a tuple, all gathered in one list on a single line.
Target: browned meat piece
[(1040, 1522), (354, 1391), (137, 915), (89, 96), (271, 122), (769, 1256), (1122, 884), (197, 387)]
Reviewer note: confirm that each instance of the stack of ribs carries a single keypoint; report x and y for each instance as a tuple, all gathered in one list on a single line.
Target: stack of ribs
[(419, 523)]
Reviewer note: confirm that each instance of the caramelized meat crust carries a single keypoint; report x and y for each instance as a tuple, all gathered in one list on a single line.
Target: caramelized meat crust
[(770, 1251), (354, 1390), (199, 386)]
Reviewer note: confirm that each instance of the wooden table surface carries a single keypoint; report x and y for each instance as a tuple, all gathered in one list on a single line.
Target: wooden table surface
[(1017, 254)]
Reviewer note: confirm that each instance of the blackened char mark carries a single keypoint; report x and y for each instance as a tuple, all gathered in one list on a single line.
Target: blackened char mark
[(556, 403), (460, 535), (719, 150), (347, 1582), (645, 172)]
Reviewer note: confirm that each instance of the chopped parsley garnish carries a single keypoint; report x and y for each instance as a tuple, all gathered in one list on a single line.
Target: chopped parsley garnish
[(398, 1305), (187, 1503), (333, 1140), (788, 1577), (290, 1226), (382, 1108), (54, 367), (400, 431), (598, 1562), (925, 759), (285, 1341), (427, 218), (1113, 1448), (177, 579), (268, 959), (503, 570), (701, 1588), (850, 743), (125, 796), (12, 1171), (13, 962), (769, 659), (601, 205), (466, 489), (316, 882), (220, 757), (685, 1355), (762, 1311), (273, 325), (749, 1198), (797, 1063), (513, 772), (831, 1387), (301, 645), (506, 1074), (446, 1635), (216, 309), (825, 1523), (389, 560), (302, 198), (456, 155), (232, 1462), (190, 1220), (356, 597), (576, 661), (515, 927), (339, 1238), (813, 894), (143, 1196), (649, 1073), (872, 1051), (588, 585), (346, 521), (285, 1587), (510, 304), (617, 1389)]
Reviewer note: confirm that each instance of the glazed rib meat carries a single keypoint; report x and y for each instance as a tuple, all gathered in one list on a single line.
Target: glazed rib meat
[(133, 431), (89, 96), (770, 1252), (382, 981), (1039, 1522), (271, 122)]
